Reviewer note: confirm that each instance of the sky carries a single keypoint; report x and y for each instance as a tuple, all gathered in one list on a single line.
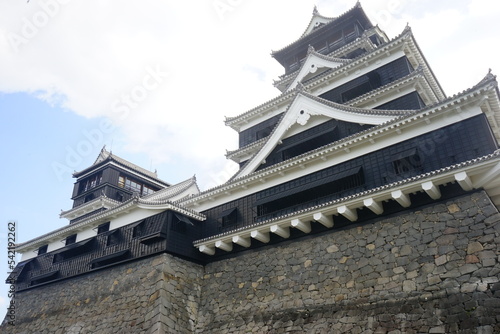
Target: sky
[(153, 81)]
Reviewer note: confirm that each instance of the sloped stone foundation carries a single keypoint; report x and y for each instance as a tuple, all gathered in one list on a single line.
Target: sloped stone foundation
[(430, 270)]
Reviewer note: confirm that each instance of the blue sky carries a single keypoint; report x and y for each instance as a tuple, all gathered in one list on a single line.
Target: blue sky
[(163, 74)]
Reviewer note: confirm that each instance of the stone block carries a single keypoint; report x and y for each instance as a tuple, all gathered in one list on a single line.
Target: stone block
[(471, 259), (433, 280), (440, 260), (474, 247), (468, 268), (409, 286), (438, 329)]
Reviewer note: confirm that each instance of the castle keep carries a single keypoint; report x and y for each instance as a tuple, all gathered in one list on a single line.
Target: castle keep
[(366, 201)]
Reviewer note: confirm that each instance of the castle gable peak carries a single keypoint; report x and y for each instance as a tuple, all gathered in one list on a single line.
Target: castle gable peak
[(303, 109), (317, 21), (315, 64)]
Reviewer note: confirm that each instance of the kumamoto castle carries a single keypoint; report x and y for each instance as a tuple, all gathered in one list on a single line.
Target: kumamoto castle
[(366, 201)]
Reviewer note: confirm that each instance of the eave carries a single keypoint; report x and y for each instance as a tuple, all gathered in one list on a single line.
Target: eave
[(94, 220), (480, 173), (172, 191), (93, 205), (404, 43), (89, 222), (106, 157), (356, 10), (246, 152), (415, 81), (305, 106), (364, 41), (112, 162), (444, 112), (284, 81)]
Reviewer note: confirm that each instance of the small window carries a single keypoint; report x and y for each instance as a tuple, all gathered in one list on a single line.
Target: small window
[(43, 249), (90, 182), (103, 228), (70, 240), (348, 31), (263, 132), (113, 238), (180, 223), (134, 186), (336, 37), (139, 229), (407, 161), (88, 198), (229, 217)]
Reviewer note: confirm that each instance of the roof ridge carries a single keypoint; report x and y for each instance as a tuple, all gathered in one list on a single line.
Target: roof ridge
[(410, 113), (287, 94), (352, 109), (174, 189), (333, 19), (364, 193), (108, 155)]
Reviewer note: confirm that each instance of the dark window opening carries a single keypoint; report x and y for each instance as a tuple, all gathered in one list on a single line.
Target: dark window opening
[(119, 196), (139, 229), (335, 38), (179, 223), (372, 80), (258, 131), (263, 133), (375, 40), (103, 228), (90, 182), (74, 250), (411, 101), (88, 198), (20, 272), (50, 276), (134, 186), (43, 249), (229, 218), (309, 145), (113, 238), (407, 161), (110, 259), (303, 142), (303, 195), (70, 240)]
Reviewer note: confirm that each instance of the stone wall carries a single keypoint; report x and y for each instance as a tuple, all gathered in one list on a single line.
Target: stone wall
[(432, 270), (153, 295)]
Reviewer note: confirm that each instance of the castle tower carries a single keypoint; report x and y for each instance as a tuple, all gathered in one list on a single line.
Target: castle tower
[(109, 180), (364, 196)]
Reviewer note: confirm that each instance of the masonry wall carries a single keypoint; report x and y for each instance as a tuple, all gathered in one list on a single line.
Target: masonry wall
[(153, 295), (431, 270)]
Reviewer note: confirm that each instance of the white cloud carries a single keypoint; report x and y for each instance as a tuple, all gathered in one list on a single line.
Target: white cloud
[(484, 8)]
